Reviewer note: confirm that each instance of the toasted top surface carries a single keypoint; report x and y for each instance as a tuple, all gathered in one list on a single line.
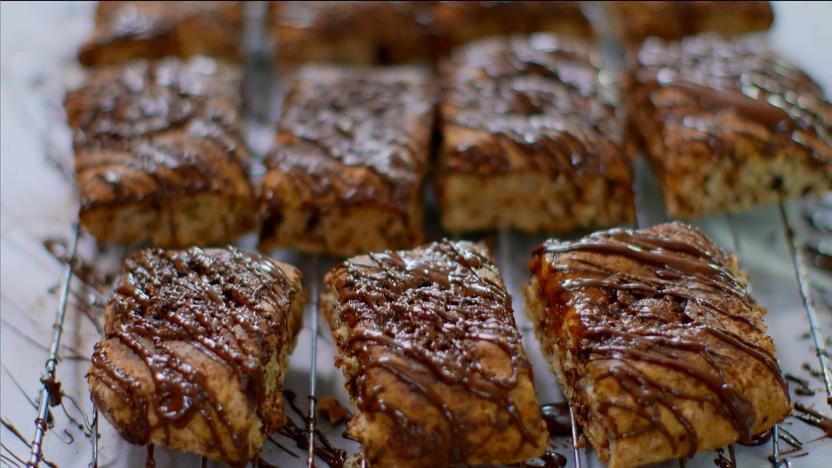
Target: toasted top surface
[(174, 123), (229, 303), (544, 93), (708, 74), (358, 134), (423, 315), (666, 298)]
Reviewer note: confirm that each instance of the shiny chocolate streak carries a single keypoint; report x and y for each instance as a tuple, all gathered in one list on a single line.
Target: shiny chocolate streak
[(429, 308), (546, 95), (742, 75), (352, 135), (232, 305), (144, 132), (685, 291)]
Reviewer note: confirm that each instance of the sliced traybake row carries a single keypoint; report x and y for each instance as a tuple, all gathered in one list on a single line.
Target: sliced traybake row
[(533, 138), (656, 342), (434, 364), (633, 22), (127, 30), (353, 145), (159, 155), (195, 350), (728, 124)]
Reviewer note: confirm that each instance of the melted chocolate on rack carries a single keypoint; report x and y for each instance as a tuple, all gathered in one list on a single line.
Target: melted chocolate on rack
[(147, 132), (547, 96), (232, 305), (742, 75), (333, 457), (556, 417), (669, 309), (418, 315), (354, 136)]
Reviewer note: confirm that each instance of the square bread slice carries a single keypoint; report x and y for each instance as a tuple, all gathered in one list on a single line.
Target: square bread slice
[(353, 145), (728, 123), (128, 30), (533, 138), (434, 364), (656, 342), (195, 350), (159, 155)]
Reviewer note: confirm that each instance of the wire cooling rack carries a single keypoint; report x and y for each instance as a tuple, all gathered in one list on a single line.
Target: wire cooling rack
[(765, 239)]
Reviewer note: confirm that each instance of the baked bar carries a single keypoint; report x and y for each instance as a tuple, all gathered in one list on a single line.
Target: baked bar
[(532, 138), (352, 150), (352, 32), (195, 350), (656, 342), (434, 364), (129, 30), (460, 22), (159, 155), (633, 22), (729, 124)]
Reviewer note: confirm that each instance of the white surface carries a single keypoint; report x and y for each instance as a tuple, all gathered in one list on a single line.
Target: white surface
[(39, 41)]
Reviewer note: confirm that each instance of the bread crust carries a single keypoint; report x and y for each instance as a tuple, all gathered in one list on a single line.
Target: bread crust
[(433, 361), (656, 343), (195, 350)]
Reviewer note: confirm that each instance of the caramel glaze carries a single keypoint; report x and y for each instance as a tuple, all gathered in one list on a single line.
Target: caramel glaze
[(152, 131), (684, 83), (232, 305), (354, 136), (430, 307), (682, 309), (546, 95)]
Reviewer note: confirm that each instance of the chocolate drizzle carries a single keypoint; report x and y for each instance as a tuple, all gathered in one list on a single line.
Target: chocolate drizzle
[(421, 317), (664, 297), (231, 306), (556, 417)]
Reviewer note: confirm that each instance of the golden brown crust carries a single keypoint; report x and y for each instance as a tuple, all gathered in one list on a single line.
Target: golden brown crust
[(535, 118), (195, 350), (127, 30), (352, 150), (729, 124), (352, 32), (433, 360), (656, 342), (634, 22), (159, 155)]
